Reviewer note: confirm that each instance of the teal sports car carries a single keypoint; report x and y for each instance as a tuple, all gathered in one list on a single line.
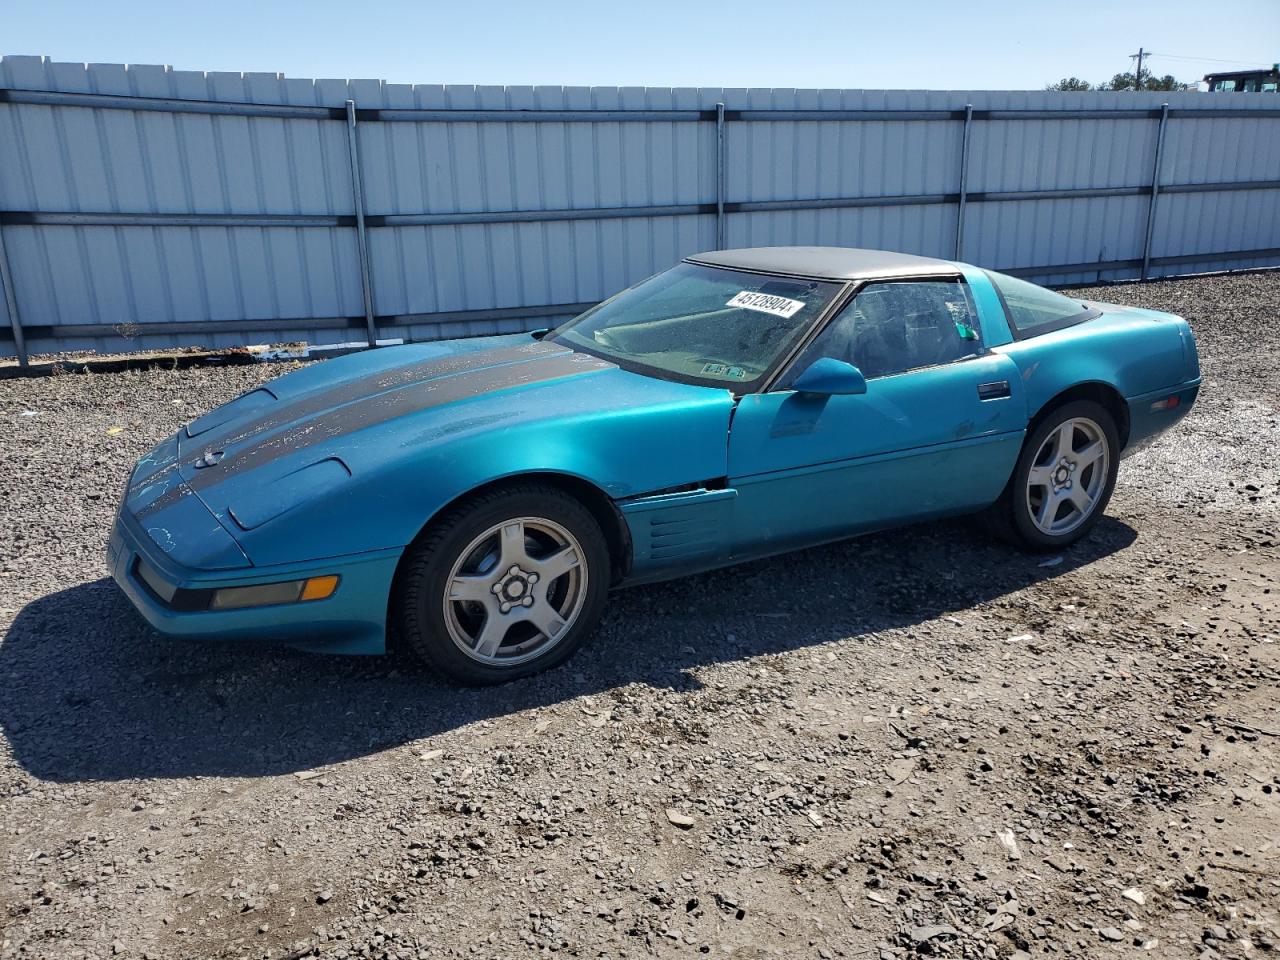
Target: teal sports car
[(480, 498)]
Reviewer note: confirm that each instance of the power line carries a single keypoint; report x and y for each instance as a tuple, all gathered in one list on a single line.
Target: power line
[(1174, 56)]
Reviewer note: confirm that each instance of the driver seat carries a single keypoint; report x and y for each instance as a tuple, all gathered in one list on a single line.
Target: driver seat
[(878, 345)]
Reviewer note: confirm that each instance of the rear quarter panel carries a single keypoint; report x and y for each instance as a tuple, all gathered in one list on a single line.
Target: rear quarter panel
[(1135, 351)]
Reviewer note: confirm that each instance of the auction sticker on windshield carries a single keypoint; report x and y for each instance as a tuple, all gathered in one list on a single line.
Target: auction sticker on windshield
[(766, 303)]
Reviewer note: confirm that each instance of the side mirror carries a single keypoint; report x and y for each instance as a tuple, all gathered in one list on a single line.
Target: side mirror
[(829, 376)]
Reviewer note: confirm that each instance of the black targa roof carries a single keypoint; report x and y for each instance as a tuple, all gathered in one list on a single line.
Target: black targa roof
[(827, 263)]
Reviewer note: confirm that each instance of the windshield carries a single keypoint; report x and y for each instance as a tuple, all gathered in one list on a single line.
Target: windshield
[(701, 324)]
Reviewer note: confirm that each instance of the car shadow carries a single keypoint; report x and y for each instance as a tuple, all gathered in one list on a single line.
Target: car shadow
[(90, 692)]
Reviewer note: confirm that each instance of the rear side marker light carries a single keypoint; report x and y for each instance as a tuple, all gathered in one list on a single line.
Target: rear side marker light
[(270, 594), (1168, 403)]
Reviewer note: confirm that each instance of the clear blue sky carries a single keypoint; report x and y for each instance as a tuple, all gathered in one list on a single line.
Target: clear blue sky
[(939, 44)]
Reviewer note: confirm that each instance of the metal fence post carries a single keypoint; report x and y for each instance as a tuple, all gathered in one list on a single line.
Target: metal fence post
[(719, 176), (1155, 191), (11, 302), (964, 179), (362, 247)]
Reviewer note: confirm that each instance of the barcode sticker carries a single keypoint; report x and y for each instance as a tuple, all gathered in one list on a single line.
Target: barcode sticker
[(766, 303)]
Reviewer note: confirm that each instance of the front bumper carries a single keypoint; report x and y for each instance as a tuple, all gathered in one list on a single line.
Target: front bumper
[(353, 620)]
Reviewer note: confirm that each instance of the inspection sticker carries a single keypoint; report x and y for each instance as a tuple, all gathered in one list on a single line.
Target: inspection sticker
[(724, 370), (766, 303)]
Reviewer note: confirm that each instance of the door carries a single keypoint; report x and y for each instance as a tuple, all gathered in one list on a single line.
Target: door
[(936, 433)]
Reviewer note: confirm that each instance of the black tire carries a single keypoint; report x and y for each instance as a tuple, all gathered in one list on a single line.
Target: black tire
[(418, 605), (1011, 516)]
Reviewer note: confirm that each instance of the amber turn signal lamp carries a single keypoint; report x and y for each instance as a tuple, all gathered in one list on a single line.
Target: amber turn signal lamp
[(319, 588)]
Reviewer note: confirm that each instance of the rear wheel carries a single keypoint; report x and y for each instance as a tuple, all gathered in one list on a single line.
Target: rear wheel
[(508, 584), (1063, 479)]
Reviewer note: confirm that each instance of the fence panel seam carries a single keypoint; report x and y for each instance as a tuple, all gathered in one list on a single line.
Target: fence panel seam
[(1155, 192), (362, 248)]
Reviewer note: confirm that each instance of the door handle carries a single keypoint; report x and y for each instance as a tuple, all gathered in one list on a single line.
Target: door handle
[(995, 390)]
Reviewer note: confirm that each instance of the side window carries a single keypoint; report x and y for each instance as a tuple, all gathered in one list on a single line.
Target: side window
[(1032, 309), (895, 326)]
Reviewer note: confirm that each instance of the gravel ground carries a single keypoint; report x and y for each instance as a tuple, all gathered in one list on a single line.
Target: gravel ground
[(914, 744)]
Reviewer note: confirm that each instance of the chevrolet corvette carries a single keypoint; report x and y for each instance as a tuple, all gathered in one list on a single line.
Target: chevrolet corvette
[(478, 499)]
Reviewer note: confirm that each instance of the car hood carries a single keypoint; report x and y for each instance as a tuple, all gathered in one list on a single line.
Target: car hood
[(286, 418), (381, 436)]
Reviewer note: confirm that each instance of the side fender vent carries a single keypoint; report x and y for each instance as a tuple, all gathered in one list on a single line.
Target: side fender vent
[(675, 535), (679, 529)]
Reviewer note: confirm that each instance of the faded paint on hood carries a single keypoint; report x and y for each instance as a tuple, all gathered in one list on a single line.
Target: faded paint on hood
[(174, 518), (314, 465)]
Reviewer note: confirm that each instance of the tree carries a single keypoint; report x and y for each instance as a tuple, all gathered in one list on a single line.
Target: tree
[(1129, 81), (1121, 81), (1070, 83)]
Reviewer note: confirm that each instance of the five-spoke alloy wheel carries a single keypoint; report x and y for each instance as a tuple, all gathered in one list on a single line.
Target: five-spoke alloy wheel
[(515, 590), (1068, 476), (1064, 477), (509, 583)]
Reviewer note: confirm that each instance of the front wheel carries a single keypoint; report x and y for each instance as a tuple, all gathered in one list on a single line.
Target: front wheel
[(510, 583), (1064, 477)]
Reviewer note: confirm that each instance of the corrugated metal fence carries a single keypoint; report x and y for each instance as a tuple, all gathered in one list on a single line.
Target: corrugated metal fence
[(142, 206)]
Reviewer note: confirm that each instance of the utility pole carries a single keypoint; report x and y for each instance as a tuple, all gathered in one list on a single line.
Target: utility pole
[(1137, 77)]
